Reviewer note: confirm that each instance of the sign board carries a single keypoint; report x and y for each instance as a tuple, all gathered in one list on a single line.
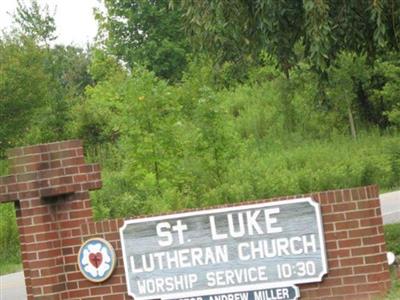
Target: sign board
[(275, 293), (225, 250)]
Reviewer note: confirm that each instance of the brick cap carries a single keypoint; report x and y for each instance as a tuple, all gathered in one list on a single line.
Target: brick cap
[(43, 148), (48, 170)]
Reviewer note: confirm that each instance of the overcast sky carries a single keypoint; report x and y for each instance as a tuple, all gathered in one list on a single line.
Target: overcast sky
[(74, 19)]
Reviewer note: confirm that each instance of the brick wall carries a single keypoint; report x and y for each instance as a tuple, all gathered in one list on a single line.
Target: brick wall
[(50, 185), (356, 251)]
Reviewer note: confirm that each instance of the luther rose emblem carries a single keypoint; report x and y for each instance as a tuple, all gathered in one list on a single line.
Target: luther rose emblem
[(96, 259)]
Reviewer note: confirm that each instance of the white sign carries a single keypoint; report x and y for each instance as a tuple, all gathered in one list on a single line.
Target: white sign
[(225, 250)]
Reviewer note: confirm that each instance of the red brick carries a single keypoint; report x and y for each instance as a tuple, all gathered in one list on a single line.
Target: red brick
[(70, 144), (78, 294), (43, 165), (371, 222), (368, 204), (74, 161), (341, 235), (326, 209), (36, 228), (329, 227), (70, 268), (346, 225), (85, 169), (377, 258), (342, 207), (352, 261), (115, 297), (378, 277), (331, 245), (28, 194), (80, 214), (372, 191), (27, 177), (24, 221), (119, 288), (333, 263), (49, 253), (45, 174), (332, 281), (62, 154), (102, 290), (46, 236), (72, 242), (339, 253), (363, 232), (368, 269), (361, 214), (7, 180), (350, 243), (369, 287), (46, 263), (80, 178), (354, 279), (333, 218), (11, 153), (343, 290), (61, 180), (94, 176), (316, 294), (339, 196), (23, 160), (365, 250)]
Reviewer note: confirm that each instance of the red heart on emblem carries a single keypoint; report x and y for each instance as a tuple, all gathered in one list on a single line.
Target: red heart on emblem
[(96, 259)]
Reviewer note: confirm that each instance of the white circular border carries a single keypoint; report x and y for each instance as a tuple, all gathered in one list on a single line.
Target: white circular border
[(113, 259)]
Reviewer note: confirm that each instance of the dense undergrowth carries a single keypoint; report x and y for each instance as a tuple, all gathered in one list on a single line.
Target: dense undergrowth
[(199, 143)]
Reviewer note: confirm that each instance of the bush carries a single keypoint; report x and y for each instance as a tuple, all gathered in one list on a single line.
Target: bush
[(9, 238), (392, 238)]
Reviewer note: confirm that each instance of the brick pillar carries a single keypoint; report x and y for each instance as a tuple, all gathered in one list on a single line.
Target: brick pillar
[(49, 184)]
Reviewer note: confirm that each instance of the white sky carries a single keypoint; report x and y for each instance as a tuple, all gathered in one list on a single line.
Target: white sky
[(74, 19)]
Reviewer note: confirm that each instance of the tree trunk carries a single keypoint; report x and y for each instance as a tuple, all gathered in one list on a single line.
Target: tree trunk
[(351, 121)]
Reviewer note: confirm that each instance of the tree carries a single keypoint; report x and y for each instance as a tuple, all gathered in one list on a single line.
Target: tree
[(35, 21), (67, 67), (323, 28), (145, 32), (39, 82), (24, 87)]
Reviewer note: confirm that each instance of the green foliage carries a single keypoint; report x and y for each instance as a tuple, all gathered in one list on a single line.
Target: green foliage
[(21, 61), (35, 21), (174, 133), (392, 238), (7, 268), (146, 33), (385, 94), (346, 77), (9, 238), (195, 145), (102, 66), (236, 29), (38, 86), (394, 292), (392, 150)]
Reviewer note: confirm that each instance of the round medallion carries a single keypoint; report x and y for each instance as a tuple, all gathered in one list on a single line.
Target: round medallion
[(96, 259)]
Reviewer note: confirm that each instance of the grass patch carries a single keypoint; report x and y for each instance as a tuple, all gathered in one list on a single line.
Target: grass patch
[(394, 293), (9, 268), (392, 238)]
